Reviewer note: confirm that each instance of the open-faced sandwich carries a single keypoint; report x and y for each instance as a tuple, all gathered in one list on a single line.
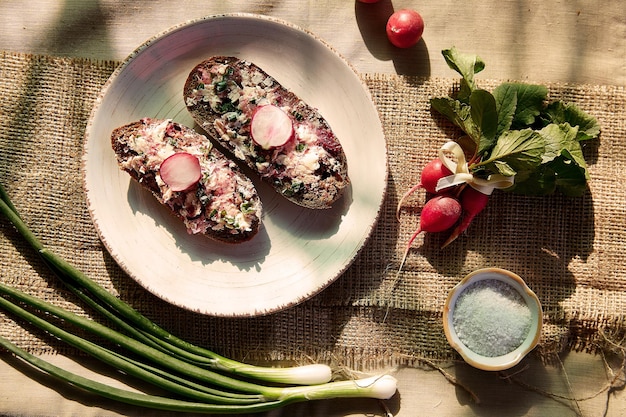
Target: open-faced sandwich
[(188, 175), (286, 141)]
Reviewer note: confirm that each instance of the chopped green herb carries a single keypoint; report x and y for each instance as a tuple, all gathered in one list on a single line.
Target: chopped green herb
[(293, 189), (221, 86), (227, 106), (246, 207), (206, 149), (231, 222), (297, 115)]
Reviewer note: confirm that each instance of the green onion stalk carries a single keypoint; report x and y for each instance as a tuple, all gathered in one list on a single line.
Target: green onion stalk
[(77, 281), (199, 379)]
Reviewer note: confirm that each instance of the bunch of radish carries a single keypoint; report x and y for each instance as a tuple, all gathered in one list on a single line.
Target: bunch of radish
[(514, 139), (447, 209)]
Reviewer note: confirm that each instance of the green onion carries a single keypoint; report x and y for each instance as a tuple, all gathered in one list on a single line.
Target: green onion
[(111, 358), (317, 373), (126, 342), (131, 397), (211, 382), (380, 387)]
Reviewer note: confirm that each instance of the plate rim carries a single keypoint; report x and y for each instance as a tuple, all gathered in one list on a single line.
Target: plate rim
[(346, 263)]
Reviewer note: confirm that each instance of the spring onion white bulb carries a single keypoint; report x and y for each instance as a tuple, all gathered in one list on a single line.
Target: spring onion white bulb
[(300, 375), (381, 387)]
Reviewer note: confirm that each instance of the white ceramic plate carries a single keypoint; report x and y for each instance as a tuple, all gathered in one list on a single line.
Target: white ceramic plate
[(298, 252)]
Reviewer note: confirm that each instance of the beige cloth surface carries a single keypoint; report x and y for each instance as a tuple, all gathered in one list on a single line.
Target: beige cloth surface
[(544, 41), (573, 261)]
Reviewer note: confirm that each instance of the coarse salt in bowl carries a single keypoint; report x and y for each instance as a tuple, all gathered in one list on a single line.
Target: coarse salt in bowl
[(492, 319)]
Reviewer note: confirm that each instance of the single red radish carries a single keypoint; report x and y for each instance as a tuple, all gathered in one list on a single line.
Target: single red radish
[(270, 127), (431, 174), (472, 202), (405, 28), (438, 214), (180, 171)]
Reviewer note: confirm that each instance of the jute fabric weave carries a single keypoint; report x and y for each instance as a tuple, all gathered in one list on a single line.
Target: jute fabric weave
[(568, 250)]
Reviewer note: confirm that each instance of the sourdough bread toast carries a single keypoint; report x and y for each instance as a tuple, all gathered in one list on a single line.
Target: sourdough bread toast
[(222, 205), (223, 93)]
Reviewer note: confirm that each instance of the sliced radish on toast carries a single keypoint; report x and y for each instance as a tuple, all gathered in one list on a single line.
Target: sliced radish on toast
[(180, 171), (271, 127)]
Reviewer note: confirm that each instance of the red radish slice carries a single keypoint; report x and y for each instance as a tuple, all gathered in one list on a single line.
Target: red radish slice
[(180, 171), (271, 127)]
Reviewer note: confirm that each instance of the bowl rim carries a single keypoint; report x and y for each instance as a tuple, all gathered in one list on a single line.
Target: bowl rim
[(496, 363)]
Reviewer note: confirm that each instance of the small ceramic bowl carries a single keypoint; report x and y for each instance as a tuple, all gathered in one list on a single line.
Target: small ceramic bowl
[(498, 283)]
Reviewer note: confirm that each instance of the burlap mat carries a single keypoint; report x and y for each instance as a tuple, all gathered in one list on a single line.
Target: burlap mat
[(569, 250)]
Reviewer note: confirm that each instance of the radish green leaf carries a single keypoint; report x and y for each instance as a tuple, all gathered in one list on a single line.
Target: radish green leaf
[(458, 113), (521, 150), (559, 112), (529, 102), (485, 118), (466, 65)]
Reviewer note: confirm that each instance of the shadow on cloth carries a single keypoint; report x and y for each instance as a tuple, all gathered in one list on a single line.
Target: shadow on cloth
[(494, 396)]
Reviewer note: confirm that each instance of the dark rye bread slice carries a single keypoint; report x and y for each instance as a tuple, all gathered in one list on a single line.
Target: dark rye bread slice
[(311, 170), (223, 205)]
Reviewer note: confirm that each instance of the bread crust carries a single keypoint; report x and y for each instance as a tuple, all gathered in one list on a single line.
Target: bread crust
[(311, 170), (223, 205)]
